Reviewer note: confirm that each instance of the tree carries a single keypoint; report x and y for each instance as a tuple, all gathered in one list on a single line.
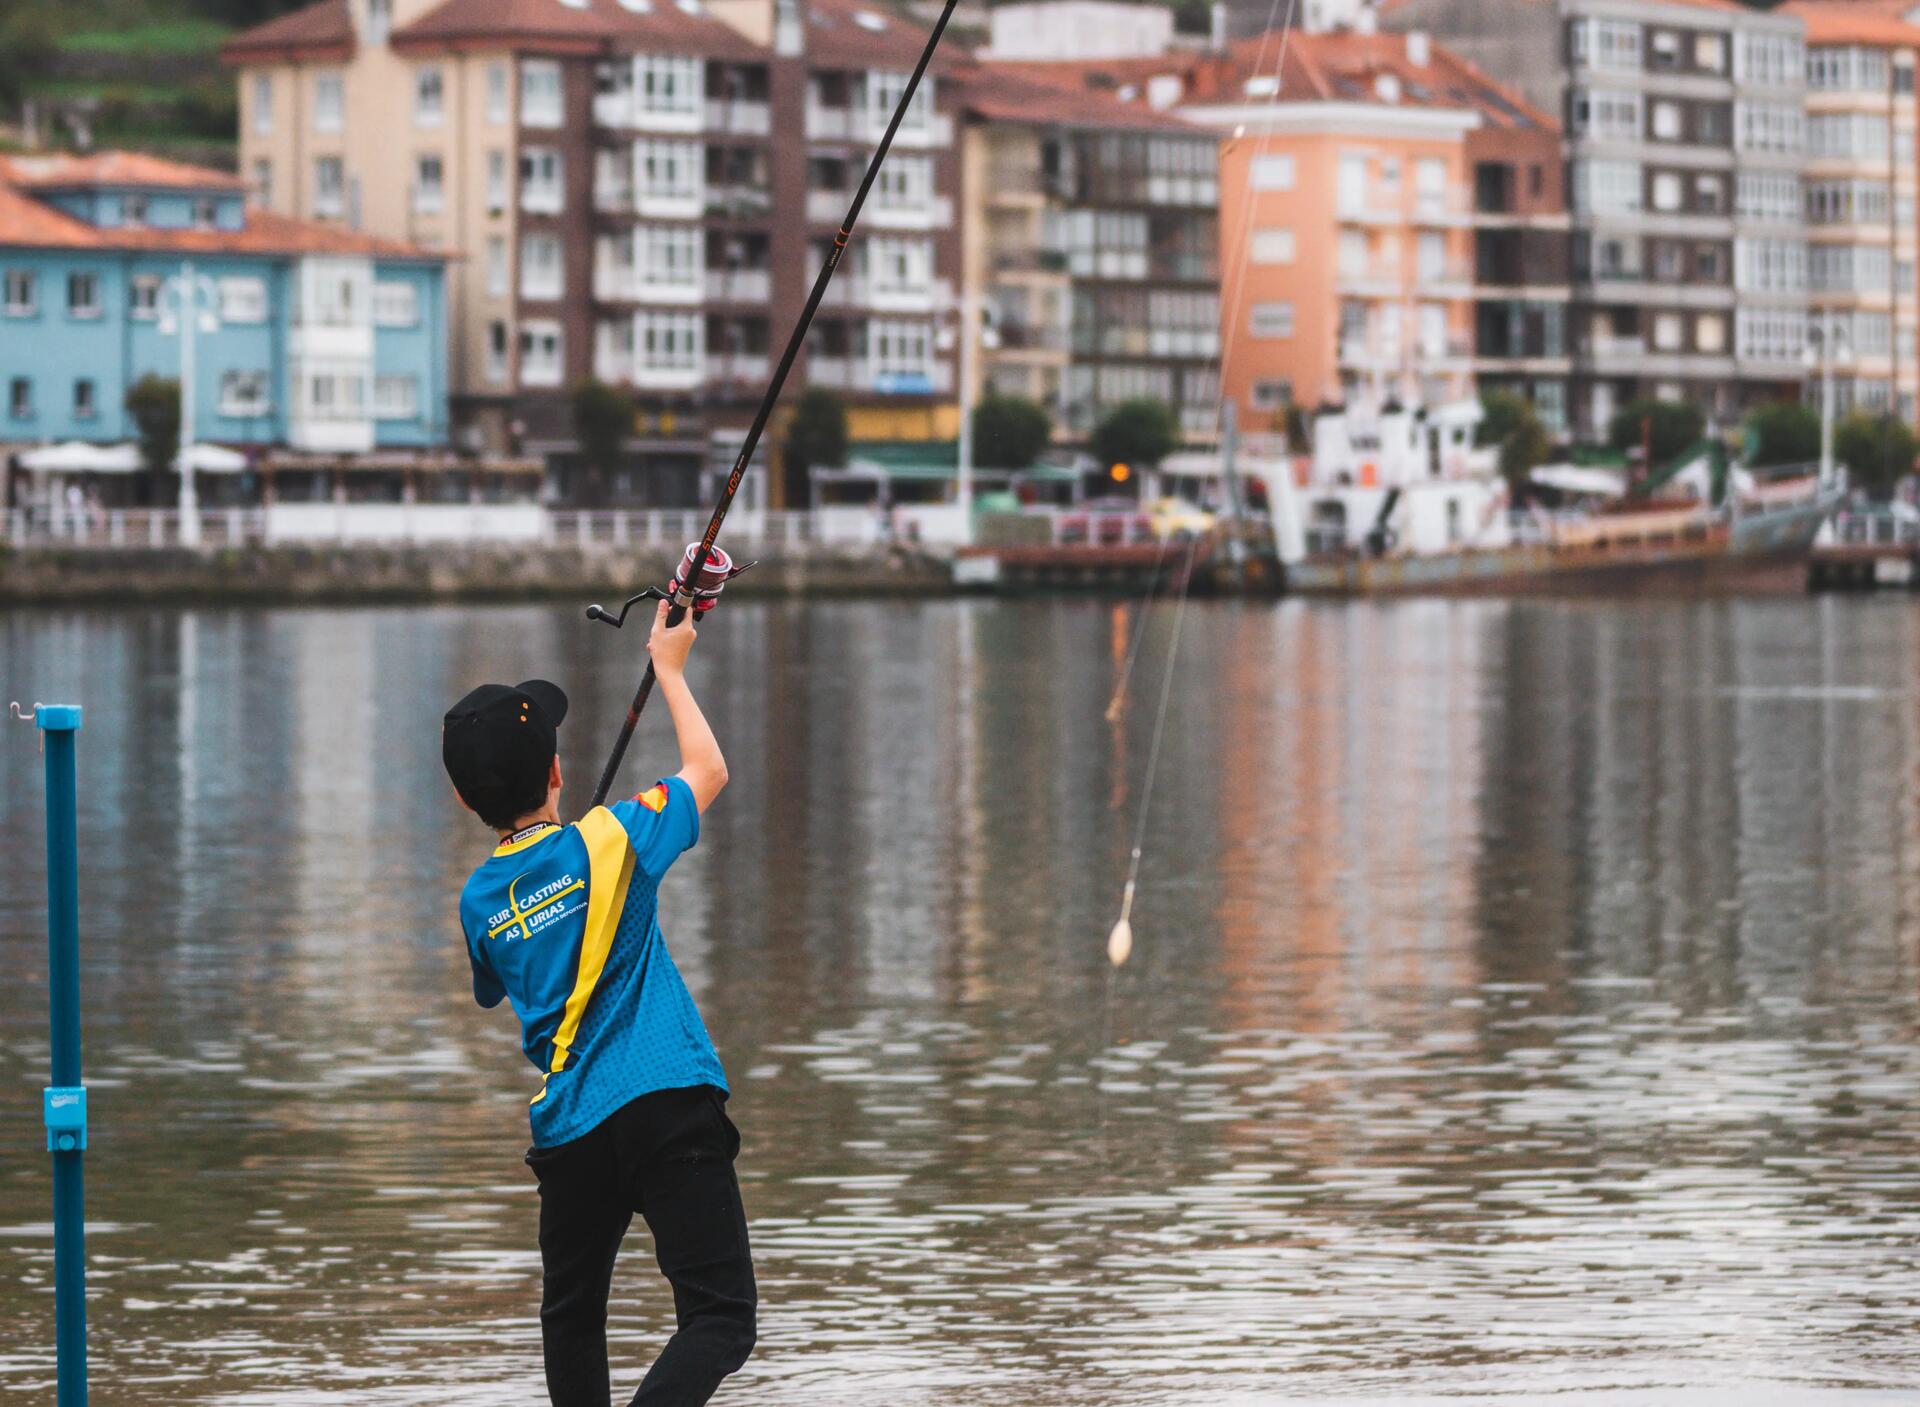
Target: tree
[(1675, 426), (1009, 432), (26, 49), (1501, 412), (1878, 450), (1526, 447), (1783, 432), (154, 403), (1138, 433), (602, 421), (816, 438)]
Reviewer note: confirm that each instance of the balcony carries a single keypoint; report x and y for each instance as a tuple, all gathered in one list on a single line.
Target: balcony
[(613, 199), (681, 117), (738, 370), (829, 207), (613, 109), (739, 118), (1370, 353), (1368, 208), (1017, 338), (857, 374), (541, 199), (1451, 206), (738, 203), (1029, 261), (1602, 346), (1375, 278), (866, 125), (615, 284), (739, 285)]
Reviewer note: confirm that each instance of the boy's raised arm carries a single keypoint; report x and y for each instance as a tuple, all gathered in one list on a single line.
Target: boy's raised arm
[(702, 767)]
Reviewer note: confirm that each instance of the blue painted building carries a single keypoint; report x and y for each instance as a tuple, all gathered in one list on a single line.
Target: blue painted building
[(319, 339)]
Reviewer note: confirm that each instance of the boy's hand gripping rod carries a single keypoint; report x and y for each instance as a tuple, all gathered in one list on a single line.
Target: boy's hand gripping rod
[(705, 568)]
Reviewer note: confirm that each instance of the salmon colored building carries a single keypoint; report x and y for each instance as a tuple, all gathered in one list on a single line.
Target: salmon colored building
[(1348, 212)]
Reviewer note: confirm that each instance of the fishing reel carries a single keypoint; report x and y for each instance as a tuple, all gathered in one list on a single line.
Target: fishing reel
[(702, 584)]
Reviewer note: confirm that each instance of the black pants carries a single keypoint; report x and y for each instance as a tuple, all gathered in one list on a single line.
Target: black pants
[(669, 1157)]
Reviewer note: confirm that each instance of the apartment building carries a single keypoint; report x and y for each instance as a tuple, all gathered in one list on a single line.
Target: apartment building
[(1350, 227), (1686, 133), (608, 170), (1859, 201), (308, 336), (1090, 236)]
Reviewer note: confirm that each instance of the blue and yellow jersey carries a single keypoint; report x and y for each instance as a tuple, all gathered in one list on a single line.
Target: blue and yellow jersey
[(565, 923)]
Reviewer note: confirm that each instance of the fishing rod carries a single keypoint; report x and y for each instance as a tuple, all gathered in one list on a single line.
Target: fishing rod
[(705, 568)]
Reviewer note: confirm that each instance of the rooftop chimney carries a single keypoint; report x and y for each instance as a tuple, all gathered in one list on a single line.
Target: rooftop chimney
[(1419, 48), (1364, 19), (1217, 25)]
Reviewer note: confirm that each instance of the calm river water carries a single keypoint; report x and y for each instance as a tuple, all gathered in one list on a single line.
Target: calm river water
[(1524, 1004)]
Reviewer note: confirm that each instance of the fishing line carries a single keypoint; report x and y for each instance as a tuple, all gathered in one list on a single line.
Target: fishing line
[(1120, 937)]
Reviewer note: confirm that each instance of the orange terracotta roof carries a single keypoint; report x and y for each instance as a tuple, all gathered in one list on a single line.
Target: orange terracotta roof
[(586, 27), (1335, 67), (850, 34), (1855, 23), (319, 31), (992, 92), (118, 169), (29, 222)]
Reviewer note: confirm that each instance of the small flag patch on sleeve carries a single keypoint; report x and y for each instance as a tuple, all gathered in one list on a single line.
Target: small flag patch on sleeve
[(653, 798)]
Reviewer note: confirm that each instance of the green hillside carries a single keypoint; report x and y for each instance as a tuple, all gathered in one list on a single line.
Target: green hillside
[(132, 73)]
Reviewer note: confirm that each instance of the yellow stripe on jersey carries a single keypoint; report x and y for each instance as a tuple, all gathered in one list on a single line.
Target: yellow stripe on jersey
[(654, 798), (610, 864)]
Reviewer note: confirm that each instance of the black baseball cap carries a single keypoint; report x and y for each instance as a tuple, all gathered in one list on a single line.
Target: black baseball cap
[(498, 743)]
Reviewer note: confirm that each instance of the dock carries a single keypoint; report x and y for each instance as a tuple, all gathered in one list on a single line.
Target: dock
[(1864, 550)]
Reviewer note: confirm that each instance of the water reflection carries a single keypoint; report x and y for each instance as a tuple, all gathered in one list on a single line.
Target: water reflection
[(1523, 1002)]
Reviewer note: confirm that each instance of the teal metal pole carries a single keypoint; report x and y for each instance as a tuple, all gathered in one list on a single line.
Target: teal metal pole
[(66, 1099)]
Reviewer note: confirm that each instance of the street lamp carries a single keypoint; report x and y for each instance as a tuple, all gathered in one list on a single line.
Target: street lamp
[(969, 325), (188, 305), (1827, 344)]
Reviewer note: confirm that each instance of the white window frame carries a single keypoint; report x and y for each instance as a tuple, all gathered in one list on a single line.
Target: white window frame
[(329, 101), (542, 97), (1271, 173), (244, 395), (543, 270), (543, 360), (143, 297), (396, 303), (668, 173), (429, 183), (499, 93), (666, 341), (670, 87), (91, 308), (243, 299), (396, 396), (262, 104), (497, 277), (1273, 244), (329, 198), (543, 185), (22, 293), (1270, 320), (429, 95)]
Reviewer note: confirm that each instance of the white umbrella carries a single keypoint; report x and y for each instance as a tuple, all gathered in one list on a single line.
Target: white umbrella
[(79, 457), (215, 459), (1573, 478)]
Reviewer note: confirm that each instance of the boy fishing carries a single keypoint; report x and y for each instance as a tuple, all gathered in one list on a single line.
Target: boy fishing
[(563, 922)]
